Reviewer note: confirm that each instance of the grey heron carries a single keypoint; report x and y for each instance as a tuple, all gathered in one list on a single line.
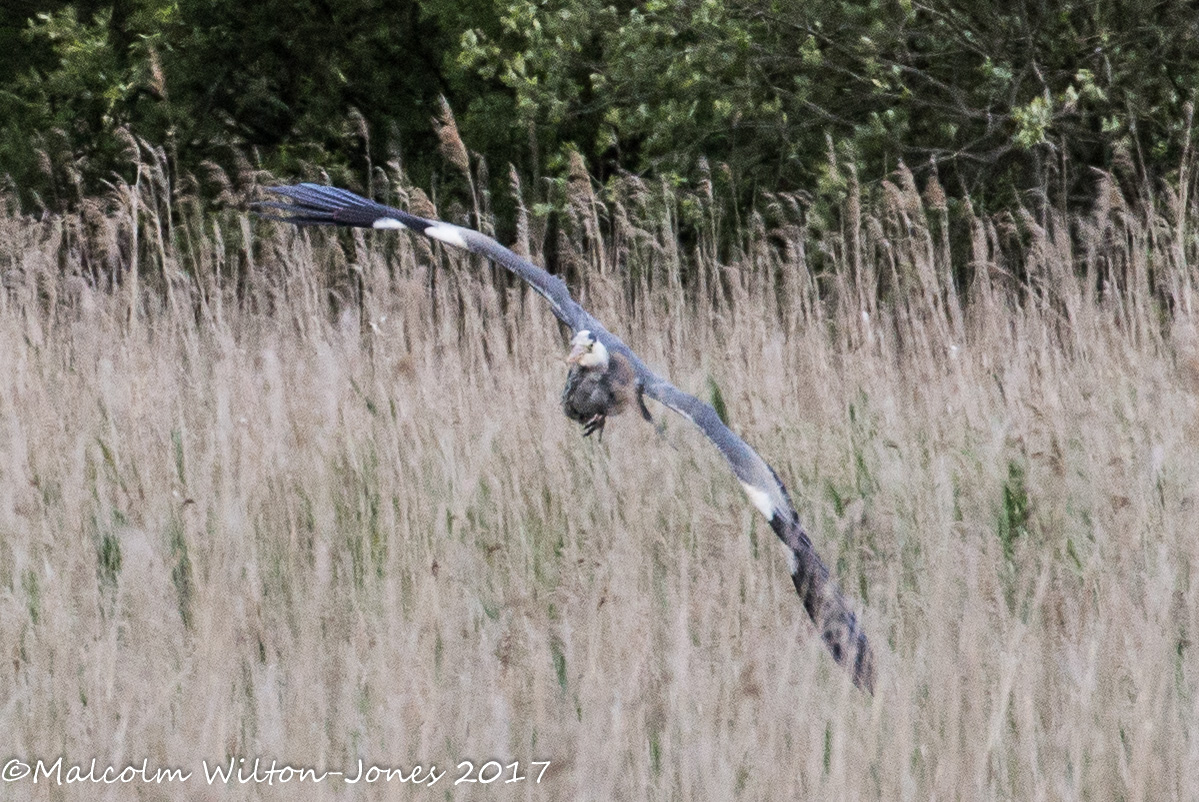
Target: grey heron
[(822, 599)]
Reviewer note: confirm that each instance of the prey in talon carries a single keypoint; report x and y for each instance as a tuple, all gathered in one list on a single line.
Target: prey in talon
[(599, 384)]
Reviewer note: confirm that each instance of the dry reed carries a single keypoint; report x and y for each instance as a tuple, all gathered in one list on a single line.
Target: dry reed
[(310, 498)]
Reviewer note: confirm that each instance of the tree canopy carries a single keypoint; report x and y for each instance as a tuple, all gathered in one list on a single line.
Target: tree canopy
[(1005, 99)]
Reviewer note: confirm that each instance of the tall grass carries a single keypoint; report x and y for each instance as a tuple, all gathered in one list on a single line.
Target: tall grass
[(309, 496)]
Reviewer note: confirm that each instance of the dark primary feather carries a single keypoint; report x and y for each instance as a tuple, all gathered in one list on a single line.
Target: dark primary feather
[(830, 611), (313, 204)]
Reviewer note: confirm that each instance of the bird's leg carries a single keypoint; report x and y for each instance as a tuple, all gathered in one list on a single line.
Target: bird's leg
[(660, 424), (596, 424), (641, 404)]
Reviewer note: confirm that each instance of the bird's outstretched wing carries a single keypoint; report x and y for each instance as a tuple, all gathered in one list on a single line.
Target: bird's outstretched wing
[(830, 611)]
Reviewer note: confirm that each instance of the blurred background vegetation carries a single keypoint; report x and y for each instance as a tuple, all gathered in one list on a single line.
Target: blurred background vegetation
[(1012, 105)]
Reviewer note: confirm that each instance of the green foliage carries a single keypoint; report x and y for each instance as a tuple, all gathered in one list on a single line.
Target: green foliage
[(212, 80), (1015, 512), (717, 399), (1004, 98), (40, 111), (559, 658), (33, 595), (181, 570), (1000, 96), (298, 88), (108, 559)]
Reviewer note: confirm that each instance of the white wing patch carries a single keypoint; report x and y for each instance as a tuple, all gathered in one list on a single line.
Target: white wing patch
[(388, 222), (450, 235), (760, 499), (792, 560)]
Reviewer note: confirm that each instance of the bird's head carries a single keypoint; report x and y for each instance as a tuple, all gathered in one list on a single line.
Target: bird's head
[(587, 352)]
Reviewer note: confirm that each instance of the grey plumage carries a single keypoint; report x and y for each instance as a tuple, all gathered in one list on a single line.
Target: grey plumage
[(830, 611), (599, 385)]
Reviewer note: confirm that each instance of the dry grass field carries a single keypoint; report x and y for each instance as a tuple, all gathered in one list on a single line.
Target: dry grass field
[(316, 503)]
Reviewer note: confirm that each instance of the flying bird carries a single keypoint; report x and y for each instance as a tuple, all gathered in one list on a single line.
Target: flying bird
[(607, 376), (599, 385)]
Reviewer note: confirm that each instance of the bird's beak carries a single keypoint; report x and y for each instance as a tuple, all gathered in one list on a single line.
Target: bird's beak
[(576, 354)]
